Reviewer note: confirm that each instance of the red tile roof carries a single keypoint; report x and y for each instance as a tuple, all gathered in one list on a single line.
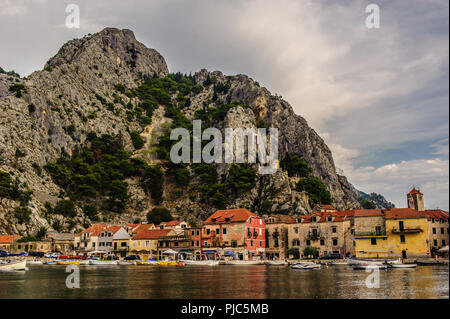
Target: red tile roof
[(322, 217), (436, 213), (414, 191), (7, 239), (368, 212), (403, 213), (151, 233), (172, 223), (230, 215)]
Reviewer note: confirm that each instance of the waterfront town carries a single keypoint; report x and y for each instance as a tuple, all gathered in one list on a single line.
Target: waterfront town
[(406, 233)]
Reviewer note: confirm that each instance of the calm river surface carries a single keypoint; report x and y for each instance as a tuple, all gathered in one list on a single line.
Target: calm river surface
[(43, 281)]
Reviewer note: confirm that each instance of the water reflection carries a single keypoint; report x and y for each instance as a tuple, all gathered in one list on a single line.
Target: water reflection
[(224, 282)]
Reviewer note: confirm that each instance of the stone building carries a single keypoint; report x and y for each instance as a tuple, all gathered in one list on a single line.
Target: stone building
[(438, 229), (327, 232), (277, 236)]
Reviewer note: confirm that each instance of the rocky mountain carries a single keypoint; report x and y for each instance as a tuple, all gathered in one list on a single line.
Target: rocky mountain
[(378, 199), (106, 98)]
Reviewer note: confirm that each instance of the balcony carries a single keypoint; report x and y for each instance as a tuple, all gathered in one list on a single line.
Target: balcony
[(407, 230), (314, 236), (370, 234), (121, 248)]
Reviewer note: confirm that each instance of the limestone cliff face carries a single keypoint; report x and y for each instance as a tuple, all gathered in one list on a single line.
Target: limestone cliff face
[(69, 98)]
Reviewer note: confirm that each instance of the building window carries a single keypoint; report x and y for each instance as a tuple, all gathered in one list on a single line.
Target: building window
[(251, 243), (322, 242), (435, 242), (334, 229), (206, 244), (335, 242), (378, 230), (233, 244), (402, 238), (260, 243), (208, 231), (330, 219), (308, 242), (434, 230), (443, 242), (442, 230), (193, 233), (93, 245), (296, 242), (224, 231), (276, 243), (296, 230), (373, 241), (217, 231)]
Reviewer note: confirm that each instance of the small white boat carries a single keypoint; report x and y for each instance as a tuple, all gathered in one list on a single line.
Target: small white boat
[(368, 266), (126, 262), (201, 262), (306, 265), (403, 266), (34, 262), (352, 262), (394, 262), (50, 262), (14, 265), (244, 262), (93, 262)]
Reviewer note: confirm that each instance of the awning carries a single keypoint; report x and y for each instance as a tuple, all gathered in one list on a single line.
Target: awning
[(186, 251), (229, 253), (209, 251), (443, 249), (170, 252)]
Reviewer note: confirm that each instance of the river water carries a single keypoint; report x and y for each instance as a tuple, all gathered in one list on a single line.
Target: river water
[(42, 281)]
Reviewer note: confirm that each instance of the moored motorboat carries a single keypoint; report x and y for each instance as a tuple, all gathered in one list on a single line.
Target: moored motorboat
[(149, 262), (93, 262), (68, 262), (368, 266), (407, 266), (14, 265), (50, 262), (34, 262), (201, 262), (244, 262), (352, 262), (306, 265)]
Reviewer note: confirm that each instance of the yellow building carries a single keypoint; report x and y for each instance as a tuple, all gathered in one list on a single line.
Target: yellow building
[(391, 233)]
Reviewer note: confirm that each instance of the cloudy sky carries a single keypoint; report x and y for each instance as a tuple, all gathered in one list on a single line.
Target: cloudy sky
[(379, 97)]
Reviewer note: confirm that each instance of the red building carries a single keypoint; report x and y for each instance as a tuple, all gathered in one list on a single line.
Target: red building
[(236, 233)]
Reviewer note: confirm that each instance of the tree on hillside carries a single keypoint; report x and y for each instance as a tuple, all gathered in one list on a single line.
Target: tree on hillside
[(158, 215)]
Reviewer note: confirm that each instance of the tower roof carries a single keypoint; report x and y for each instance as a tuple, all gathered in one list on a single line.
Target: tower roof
[(414, 191)]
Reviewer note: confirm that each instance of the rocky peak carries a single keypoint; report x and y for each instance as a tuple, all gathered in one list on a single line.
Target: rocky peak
[(111, 49)]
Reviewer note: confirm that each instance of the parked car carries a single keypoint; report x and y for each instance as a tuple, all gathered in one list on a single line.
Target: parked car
[(4, 253), (332, 256), (36, 254), (112, 257), (51, 255), (132, 257)]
